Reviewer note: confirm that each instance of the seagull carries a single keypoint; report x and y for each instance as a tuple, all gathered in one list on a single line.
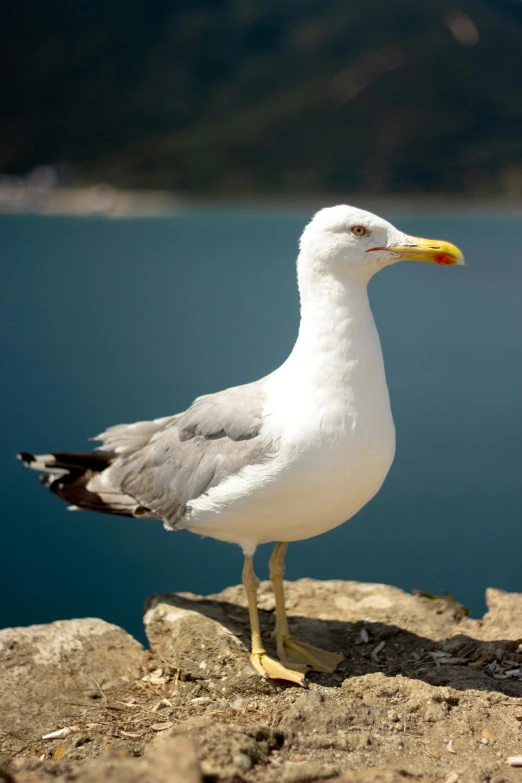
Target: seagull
[(281, 459)]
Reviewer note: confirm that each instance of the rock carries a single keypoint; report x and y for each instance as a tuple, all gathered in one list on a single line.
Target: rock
[(221, 745), (243, 761), (503, 620), (423, 693), (51, 674), (203, 639), (175, 761), (196, 635)]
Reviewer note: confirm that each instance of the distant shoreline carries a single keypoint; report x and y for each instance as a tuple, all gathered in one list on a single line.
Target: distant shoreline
[(111, 203)]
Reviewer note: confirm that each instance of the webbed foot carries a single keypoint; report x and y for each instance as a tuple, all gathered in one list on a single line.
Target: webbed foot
[(269, 668), (293, 652)]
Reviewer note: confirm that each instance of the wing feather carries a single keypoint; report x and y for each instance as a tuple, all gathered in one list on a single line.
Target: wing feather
[(165, 464)]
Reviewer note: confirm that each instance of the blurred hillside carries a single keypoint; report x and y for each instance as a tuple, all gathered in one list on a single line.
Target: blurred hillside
[(241, 96)]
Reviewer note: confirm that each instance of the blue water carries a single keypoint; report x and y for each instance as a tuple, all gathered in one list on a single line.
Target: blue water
[(111, 321)]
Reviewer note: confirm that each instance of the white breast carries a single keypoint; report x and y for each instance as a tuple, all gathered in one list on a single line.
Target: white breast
[(328, 410)]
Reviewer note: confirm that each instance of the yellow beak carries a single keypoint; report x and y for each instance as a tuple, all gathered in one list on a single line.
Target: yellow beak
[(443, 253)]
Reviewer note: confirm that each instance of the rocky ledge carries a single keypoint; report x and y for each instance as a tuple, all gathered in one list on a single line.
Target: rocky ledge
[(424, 693)]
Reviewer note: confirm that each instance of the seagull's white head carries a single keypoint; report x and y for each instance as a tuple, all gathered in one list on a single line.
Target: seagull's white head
[(347, 242)]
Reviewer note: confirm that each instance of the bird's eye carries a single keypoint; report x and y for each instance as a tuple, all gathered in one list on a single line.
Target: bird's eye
[(358, 231)]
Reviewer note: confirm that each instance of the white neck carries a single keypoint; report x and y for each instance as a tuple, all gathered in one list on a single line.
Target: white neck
[(338, 344), (333, 382)]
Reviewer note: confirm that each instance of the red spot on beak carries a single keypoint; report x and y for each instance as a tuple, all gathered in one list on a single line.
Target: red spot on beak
[(443, 259)]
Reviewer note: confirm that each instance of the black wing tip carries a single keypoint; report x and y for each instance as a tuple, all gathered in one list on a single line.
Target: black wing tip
[(26, 457)]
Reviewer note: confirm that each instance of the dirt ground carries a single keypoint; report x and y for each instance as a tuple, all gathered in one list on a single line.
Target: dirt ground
[(424, 693)]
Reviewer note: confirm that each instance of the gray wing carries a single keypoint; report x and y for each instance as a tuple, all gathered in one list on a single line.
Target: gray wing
[(165, 464)]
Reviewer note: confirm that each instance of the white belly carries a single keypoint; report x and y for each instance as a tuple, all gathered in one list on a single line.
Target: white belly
[(296, 498)]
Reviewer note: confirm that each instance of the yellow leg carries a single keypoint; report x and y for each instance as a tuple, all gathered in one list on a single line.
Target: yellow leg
[(266, 666), (289, 650)]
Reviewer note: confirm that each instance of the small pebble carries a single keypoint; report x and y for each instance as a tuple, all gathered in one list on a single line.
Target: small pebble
[(243, 761)]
